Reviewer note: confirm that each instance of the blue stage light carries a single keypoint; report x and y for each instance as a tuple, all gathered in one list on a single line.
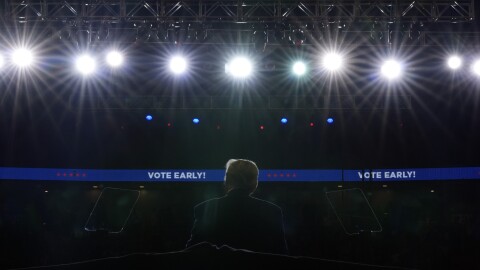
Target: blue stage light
[(284, 120), (149, 117), (196, 120), (330, 120)]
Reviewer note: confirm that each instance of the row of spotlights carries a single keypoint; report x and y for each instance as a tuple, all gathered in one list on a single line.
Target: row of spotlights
[(239, 67), (86, 64), (455, 62)]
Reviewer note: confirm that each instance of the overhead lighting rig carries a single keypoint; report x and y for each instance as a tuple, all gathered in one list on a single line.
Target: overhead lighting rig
[(256, 22)]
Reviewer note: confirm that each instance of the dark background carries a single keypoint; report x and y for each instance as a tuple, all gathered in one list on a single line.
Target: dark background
[(50, 117), (421, 229)]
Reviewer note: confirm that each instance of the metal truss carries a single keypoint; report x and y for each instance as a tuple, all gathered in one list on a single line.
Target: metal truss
[(247, 11)]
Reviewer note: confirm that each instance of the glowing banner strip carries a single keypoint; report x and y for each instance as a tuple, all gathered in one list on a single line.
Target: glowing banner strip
[(412, 174), (158, 175)]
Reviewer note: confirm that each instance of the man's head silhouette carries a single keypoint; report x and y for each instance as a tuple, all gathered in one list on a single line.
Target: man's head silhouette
[(241, 174)]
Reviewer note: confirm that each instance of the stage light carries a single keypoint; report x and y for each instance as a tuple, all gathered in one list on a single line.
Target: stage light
[(476, 68), (312, 124), (114, 59), (454, 62), (332, 61), (239, 67), (2, 61), (330, 120), (196, 121), (22, 57), (262, 127), (86, 64), (391, 69), (178, 64), (299, 68), (284, 120), (149, 117)]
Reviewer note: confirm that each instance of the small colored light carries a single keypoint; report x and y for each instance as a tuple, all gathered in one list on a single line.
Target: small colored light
[(330, 120), (149, 117), (169, 124), (196, 121), (262, 127), (312, 124), (284, 120)]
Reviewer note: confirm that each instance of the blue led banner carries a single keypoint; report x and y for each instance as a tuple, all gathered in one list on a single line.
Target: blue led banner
[(413, 174), (160, 175)]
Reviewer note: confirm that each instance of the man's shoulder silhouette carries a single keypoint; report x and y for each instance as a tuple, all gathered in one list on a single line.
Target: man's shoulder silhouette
[(241, 221), (237, 197)]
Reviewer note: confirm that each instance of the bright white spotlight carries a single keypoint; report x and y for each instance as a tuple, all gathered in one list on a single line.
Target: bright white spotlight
[(114, 59), (86, 64), (299, 68), (178, 64), (22, 57), (239, 67), (454, 62), (2, 61), (332, 61), (476, 67), (391, 69)]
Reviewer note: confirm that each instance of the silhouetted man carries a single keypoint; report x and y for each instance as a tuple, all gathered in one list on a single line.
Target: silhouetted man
[(238, 219)]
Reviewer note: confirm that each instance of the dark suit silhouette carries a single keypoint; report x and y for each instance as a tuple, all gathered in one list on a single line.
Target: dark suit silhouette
[(240, 221)]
